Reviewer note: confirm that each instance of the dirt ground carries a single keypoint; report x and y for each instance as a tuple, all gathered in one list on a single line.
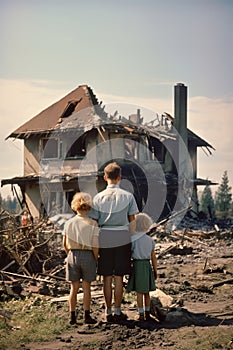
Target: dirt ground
[(200, 317)]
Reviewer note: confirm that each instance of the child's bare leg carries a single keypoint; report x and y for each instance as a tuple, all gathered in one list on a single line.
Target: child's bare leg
[(140, 300), (147, 307), (147, 300), (73, 295), (86, 295), (140, 316), (87, 302), (73, 301)]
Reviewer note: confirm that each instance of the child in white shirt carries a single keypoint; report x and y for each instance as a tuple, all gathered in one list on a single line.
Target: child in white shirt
[(142, 278)]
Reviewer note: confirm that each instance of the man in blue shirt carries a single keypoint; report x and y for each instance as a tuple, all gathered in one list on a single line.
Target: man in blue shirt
[(114, 209)]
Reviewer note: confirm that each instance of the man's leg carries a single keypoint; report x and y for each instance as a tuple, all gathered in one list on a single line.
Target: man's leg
[(118, 295), (118, 292), (108, 297), (105, 269), (108, 291)]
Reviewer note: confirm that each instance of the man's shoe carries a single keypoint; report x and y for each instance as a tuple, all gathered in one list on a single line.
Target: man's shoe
[(110, 318), (121, 317)]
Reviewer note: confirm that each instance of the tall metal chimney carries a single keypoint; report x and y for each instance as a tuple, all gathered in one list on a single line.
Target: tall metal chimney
[(180, 107)]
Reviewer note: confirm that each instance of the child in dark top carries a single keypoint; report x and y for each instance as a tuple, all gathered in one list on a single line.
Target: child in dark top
[(142, 278)]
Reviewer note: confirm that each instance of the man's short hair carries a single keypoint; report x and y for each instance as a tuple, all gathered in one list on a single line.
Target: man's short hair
[(112, 171)]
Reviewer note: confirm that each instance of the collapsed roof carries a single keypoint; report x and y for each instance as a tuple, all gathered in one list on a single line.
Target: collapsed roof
[(50, 118), (81, 111)]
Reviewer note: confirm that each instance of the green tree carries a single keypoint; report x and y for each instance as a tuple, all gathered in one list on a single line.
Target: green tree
[(223, 199), (207, 201), (10, 204)]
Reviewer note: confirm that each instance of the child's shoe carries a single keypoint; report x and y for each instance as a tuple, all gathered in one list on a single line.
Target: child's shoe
[(73, 318), (88, 319), (148, 316)]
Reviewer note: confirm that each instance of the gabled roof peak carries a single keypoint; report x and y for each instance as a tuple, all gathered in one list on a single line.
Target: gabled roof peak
[(80, 98)]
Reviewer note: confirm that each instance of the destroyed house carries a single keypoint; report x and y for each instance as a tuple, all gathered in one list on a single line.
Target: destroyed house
[(67, 145)]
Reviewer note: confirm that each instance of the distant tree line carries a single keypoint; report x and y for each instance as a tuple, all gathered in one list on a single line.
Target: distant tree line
[(221, 204), (9, 204)]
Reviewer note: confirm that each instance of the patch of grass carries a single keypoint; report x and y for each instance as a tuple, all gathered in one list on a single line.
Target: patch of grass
[(203, 338), (33, 319)]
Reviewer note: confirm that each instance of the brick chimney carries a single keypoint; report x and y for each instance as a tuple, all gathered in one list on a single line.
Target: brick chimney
[(136, 118), (180, 108)]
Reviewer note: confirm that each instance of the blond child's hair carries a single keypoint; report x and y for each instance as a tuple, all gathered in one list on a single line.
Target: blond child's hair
[(143, 222), (81, 202)]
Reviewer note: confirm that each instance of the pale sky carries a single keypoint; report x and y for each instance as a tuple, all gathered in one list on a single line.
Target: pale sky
[(130, 51)]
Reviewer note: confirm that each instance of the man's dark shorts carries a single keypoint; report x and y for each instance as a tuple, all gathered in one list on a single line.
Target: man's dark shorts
[(114, 253)]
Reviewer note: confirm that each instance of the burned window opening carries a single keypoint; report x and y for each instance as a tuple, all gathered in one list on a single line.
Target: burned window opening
[(136, 176), (134, 149), (131, 147), (53, 202), (69, 196), (77, 149), (158, 149), (50, 148)]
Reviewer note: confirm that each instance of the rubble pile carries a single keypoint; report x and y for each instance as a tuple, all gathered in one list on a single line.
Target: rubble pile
[(31, 257)]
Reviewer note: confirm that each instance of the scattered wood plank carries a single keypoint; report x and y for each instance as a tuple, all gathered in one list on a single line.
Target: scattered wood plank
[(164, 252), (221, 283), (94, 294), (193, 240), (17, 258), (52, 276), (153, 229), (24, 277), (8, 265), (217, 314)]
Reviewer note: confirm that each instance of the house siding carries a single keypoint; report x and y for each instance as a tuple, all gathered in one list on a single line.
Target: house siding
[(31, 156)]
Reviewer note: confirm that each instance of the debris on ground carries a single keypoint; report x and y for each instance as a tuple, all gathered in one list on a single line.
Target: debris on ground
[(194, 286)]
